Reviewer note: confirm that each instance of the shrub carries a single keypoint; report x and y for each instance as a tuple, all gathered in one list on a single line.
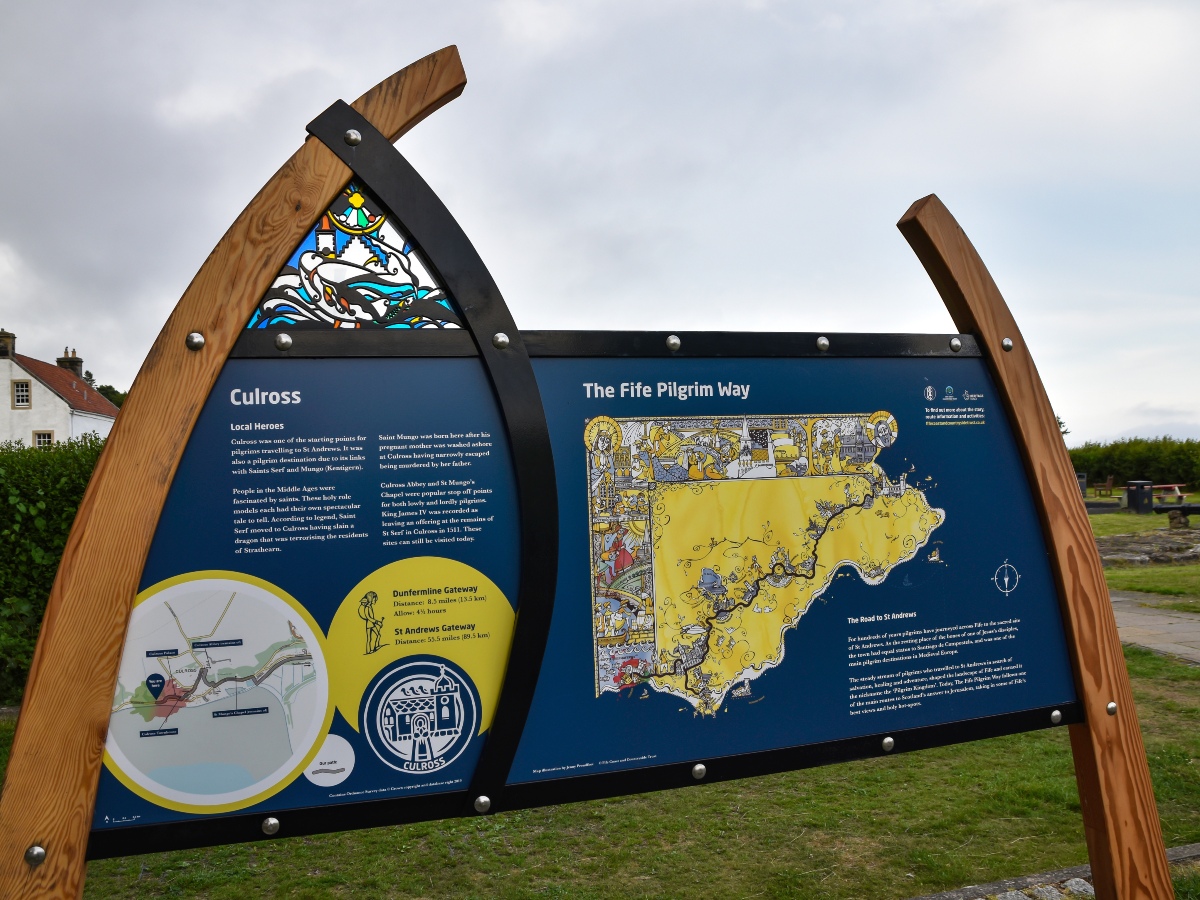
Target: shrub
[(40, 489), (1163, 460)]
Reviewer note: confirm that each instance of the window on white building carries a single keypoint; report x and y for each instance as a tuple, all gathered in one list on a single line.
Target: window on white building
[(43, 438), (20, 394)]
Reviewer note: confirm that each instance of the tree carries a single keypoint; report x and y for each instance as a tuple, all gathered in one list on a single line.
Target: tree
[(114, 396)]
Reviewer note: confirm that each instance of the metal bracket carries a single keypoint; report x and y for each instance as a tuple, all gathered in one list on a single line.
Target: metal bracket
[(446, 249)]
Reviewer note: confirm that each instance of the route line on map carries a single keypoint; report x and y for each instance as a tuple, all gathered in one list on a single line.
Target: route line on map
[(753, 589)]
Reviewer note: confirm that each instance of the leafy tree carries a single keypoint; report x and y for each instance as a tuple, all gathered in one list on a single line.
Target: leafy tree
[(114, 396)]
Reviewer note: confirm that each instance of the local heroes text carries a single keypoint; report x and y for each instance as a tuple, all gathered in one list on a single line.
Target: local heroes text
[(677, 389)]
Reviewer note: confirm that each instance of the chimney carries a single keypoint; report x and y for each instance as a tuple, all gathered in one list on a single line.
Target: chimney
[(8, 344), (70, 361)]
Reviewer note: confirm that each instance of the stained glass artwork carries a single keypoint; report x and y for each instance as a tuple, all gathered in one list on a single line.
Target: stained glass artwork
[(355, 269)]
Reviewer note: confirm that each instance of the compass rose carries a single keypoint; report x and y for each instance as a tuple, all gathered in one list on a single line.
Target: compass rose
[(1006, 578)]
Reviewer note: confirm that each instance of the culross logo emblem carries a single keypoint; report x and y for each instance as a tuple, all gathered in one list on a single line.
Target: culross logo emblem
[(420, 716), (930, 392)]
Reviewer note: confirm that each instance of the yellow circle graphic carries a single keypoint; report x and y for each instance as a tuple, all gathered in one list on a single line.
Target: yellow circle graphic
[(427, 606), (223, 694)]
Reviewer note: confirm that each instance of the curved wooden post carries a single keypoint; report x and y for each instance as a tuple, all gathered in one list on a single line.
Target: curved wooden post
[(1120, 818), (50, 788)]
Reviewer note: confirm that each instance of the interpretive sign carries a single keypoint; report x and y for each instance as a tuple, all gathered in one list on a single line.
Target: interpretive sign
[(361, 552)]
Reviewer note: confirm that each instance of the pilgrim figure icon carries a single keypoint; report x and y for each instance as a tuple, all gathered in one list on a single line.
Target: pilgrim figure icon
[(372, 623)]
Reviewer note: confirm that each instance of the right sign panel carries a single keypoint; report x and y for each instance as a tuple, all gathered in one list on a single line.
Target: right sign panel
[(759, 554)]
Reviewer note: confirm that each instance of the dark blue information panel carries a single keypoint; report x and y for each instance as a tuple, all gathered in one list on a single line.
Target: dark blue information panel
[(754, 555), (328, 603), (760, 554)]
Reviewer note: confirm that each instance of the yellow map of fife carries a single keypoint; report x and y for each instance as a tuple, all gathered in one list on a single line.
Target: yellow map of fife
[(712, 537)]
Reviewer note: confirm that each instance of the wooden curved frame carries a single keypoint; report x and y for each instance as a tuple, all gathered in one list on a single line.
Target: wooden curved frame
[(1120, 818), (64, 722), (61, 733)]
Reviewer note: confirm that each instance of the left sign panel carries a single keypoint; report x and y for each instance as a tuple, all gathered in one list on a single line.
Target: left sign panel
[(327, 608)]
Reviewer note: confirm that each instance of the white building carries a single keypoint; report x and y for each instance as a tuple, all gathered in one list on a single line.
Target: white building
[(48, 402)]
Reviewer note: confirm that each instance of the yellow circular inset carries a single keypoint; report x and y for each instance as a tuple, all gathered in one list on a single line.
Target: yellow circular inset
[(222, 698), (427, 605)]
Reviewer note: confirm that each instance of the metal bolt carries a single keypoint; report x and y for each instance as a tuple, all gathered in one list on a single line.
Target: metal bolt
[(888, 743), (1111, 709), (194, 341), (955, 344), (1006, 344), (483, 804), (353, 137), (1055, 717), (822, 343), (500, 340), (270, 825), (35, 856), (283, 342), (673, 342), (699, 770)]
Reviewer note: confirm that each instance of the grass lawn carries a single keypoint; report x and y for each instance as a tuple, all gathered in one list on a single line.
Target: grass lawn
[(1179, 583), (895, 827), (1104, 524)]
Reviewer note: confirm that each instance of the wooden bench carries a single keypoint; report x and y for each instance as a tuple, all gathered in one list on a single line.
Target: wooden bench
[(1106, 488)]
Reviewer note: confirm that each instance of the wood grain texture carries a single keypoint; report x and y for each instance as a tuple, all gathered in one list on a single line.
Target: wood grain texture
[(50, 787), (1120, 817)]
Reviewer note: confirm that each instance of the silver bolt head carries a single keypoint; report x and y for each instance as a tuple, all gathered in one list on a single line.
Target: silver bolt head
[(955, 344), (353, 137), (270, 825), (35, 856), (889, 744), (283, 342), (1007, 344), (1111, 709), (699, 770), (482, 804), (194, 341), (1055, 717), (673, 342), (500, 340), (822, 343)]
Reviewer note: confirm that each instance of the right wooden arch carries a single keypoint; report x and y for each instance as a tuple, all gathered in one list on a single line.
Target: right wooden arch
[(1124, 836)]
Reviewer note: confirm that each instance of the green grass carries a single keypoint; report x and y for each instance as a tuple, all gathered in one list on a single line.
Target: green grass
[(894, 827), (1105, 524), (1180, 583)]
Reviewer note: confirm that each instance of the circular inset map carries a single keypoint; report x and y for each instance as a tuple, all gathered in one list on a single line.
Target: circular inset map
[(222, 696)]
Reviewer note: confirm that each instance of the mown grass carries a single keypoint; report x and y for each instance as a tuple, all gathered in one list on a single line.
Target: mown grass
[(1105, 524), (1179, 586), (894, 827)]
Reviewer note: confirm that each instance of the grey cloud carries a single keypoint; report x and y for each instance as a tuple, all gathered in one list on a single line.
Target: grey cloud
[(634, 165)]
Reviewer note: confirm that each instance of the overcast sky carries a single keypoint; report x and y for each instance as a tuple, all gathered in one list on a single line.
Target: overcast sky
[(634, 165)]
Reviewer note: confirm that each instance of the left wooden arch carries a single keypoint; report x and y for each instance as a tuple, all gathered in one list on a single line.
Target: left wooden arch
[(64, 721)]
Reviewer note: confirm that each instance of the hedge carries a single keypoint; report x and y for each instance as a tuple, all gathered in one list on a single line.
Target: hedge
[(40, 489), (1163, 460)]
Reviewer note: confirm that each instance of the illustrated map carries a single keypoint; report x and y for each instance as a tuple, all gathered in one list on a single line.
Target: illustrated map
[(711, 537), (221, 692)]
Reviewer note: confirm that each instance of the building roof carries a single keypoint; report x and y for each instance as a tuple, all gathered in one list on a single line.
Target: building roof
[(80, 395)]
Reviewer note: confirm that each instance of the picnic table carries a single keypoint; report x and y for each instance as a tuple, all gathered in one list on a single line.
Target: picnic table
[(1167, 492)]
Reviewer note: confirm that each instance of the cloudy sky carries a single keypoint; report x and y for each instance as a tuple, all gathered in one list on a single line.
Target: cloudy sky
[(665, 165)]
